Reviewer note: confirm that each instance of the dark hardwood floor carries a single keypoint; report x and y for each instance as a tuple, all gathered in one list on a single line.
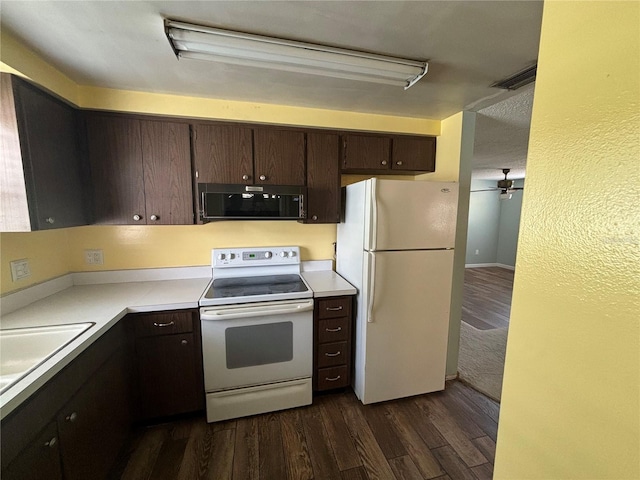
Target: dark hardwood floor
[(486, 300), (447, 435)]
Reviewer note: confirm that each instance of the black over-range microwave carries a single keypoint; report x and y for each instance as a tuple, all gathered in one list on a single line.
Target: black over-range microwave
[(250, 202)]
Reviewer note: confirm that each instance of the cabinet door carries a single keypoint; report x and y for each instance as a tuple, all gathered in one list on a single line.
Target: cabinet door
[(279, 157), (223, 154), (52, 161), (167, 173), (414, 154), (40, 460), (115, 153), (323, 178), (169, 378), (94, 424), (366, 152)]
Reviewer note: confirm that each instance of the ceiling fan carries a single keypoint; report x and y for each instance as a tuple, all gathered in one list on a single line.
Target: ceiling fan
[(505, 186)]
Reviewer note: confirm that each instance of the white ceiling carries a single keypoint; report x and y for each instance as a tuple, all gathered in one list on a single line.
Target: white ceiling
[(469, 45)]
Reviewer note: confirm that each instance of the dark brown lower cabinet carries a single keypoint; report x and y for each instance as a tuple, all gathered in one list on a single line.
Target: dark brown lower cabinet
[(39, 460), (85, 412), (332, 341), (94, 424), (169, 364)]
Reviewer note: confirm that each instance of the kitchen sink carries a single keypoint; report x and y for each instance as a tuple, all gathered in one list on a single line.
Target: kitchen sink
[(22, 350)]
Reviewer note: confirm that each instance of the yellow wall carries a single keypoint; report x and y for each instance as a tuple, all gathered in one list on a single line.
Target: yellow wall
[(156, 246), (571, 393)]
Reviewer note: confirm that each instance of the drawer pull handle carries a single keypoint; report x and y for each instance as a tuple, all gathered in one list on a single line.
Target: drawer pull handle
[(334, 309), (333, 329), (163, 324), (334, 379), (333, 354), (71, 418)]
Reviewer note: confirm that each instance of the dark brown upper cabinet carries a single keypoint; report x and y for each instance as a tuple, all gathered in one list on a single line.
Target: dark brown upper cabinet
[(323, 178), (365, 152), (43, 173), (230, 154), (279, 157), (388, 154), (223, 154), (141, 170), (413, 154)]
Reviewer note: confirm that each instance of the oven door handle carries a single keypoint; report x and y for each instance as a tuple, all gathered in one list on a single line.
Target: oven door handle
[(249, 311)]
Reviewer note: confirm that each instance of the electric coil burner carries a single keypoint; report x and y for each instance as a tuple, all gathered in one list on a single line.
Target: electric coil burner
[(257, 336)]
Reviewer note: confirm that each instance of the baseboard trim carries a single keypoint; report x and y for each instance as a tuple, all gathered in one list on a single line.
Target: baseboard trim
[(451, 377), (482, 265)]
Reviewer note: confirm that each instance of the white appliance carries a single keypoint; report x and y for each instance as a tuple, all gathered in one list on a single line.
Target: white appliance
[(257, 333), (395, 246)]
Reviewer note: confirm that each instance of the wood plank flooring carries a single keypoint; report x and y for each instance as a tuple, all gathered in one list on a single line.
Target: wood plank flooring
[(486, 300), (444, 435)]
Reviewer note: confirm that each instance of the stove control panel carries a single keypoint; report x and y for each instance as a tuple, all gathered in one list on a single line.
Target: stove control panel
[(254, 256)]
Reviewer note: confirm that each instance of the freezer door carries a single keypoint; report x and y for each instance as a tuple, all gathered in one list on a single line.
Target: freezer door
[(410, 215), (402, 324)]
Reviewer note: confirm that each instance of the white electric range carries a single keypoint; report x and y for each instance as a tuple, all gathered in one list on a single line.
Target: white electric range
[(257, 332)]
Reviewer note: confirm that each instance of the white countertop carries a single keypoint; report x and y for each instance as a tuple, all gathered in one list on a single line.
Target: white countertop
[(327, 283), (106, 303)]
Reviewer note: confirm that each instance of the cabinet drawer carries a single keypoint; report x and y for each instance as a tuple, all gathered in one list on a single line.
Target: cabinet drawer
[(334, 307), (334, 377), (163, 324), (332, 354), (333, 330)]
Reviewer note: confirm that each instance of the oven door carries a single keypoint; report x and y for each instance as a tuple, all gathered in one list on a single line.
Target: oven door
[(256, 343)]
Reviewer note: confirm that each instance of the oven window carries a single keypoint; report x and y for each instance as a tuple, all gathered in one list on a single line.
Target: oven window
[(259, 344)]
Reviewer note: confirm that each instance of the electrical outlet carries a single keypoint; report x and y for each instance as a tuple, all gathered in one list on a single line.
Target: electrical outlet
[(477, 252), (20, 269), (94, 257)]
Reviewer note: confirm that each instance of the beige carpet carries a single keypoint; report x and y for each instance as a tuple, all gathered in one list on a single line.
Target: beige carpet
[(481, 361)]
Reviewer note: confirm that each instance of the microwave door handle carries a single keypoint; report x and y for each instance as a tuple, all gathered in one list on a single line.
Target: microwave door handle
[(254, 311)]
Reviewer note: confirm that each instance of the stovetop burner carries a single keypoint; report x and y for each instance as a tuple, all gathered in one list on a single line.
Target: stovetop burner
[(253, 286)]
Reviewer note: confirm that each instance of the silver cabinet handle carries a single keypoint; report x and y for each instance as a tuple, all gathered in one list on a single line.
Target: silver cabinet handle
[(50, 220), (263, 177), (399, 162), (334, 309), (184, 342), (314, 217), (163, 324), (51, 443), (245, 177), (383, 162), (333, 354), (332, 379), (333, 329), (154, 217), (72, 418), (137, 217)]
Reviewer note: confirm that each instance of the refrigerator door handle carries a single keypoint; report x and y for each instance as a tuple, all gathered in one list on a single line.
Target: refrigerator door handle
[(372, 287), (373, 241)]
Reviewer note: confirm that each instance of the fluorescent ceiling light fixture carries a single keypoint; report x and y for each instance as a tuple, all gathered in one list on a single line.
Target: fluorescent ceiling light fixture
[(214, 44)]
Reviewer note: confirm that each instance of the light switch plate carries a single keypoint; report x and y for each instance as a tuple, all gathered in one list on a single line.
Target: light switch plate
[(20, 269), (94, 257)]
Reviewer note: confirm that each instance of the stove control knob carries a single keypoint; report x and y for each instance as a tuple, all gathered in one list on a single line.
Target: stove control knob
[(292, 254), (221, 256), (267, 254), (283, 254)]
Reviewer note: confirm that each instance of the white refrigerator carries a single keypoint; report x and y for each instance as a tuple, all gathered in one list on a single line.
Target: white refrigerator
[(395, 245)]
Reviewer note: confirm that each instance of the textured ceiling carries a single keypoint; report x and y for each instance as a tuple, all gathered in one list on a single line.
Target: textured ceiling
[(121, 44), (502, 137)]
